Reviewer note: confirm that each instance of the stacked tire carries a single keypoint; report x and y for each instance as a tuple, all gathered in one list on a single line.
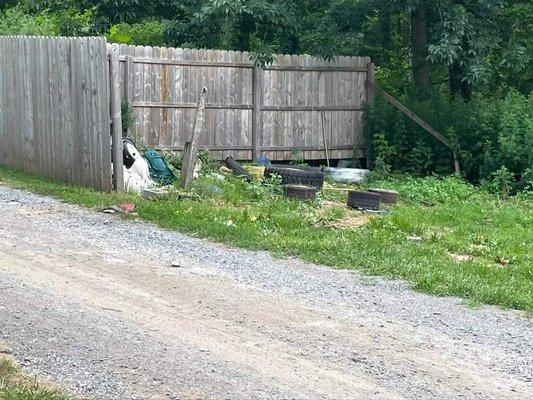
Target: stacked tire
[(295, 176), (372, 199)]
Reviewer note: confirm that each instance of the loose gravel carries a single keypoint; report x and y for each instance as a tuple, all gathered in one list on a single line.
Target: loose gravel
[(391, 341)]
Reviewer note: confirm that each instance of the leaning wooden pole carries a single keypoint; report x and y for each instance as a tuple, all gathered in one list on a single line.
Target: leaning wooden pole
[(415, 118), (191, 152)]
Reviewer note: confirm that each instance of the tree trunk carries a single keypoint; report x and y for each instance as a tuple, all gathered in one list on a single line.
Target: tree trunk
[(457, 84), (419, 46)]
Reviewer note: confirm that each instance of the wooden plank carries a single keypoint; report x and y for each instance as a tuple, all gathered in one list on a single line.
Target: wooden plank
[(437, 135), (189, 160), (114, 70), (312, 108), (293, 68), (129, 80), (190, 63), (192, 105)]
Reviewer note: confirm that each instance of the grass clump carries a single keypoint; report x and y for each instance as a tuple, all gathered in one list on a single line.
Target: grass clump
[(16, 386), (446, 237)]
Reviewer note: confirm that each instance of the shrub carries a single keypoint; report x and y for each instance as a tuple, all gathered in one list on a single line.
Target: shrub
[(16, 21), (147, 33), (487, 133)]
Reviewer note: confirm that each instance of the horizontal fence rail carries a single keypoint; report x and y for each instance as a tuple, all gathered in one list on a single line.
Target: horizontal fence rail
[(54, 108), (298, 102)]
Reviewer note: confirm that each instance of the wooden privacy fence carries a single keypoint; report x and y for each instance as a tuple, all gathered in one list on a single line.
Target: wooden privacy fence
[(292, 104), (54, 108)]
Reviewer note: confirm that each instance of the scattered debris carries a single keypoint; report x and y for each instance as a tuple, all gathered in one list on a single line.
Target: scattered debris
[(351, 222), (414, 238), (256, 172), (263, 161), (136, 169), (237, 168), (127, 207), (225, 170), (346, 175), (461, 257), (214, 189), (155, 193), (158, 167), (503, 261)]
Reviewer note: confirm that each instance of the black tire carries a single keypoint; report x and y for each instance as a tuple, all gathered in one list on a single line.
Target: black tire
[(300, 192), (295, 176), (387, 196), (364, 200), (237, 168)]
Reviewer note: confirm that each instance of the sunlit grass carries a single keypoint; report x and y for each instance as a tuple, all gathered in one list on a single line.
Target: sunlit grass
[(446, 237)]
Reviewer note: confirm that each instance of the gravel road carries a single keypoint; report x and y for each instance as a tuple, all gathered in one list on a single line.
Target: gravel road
[(90, 302)]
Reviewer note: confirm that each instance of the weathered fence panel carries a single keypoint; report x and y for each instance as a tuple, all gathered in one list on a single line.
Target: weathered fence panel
[(54, 108), (292, 104)]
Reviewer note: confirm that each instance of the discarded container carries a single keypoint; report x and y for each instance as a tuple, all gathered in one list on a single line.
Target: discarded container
[(154, 193), (346, 175), (159, 170), (256, 172), (263, 161)]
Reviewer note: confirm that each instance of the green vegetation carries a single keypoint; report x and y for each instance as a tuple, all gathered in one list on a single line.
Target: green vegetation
[(446, 237), (462, 65), (15, 386), (488, 134)]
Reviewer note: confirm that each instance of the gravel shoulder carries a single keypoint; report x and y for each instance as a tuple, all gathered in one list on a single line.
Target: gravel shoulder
[(89, 301)]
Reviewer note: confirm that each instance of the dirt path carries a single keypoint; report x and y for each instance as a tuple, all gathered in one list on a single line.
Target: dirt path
[(89, 301)]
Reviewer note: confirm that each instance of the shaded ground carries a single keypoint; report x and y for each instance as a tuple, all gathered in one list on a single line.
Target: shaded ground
[(89, 301)]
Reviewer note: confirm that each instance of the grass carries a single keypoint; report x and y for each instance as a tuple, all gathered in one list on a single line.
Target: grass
[(16, 386), (446, 237)]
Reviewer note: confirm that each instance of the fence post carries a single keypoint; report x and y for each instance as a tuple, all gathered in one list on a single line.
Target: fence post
[(116, 118), (257, 114)]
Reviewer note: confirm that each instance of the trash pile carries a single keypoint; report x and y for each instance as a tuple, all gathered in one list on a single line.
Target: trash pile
[(149, 173), (303, 182), (144, 172)]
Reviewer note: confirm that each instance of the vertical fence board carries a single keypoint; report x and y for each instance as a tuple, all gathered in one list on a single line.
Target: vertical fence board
[(54, 117)]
